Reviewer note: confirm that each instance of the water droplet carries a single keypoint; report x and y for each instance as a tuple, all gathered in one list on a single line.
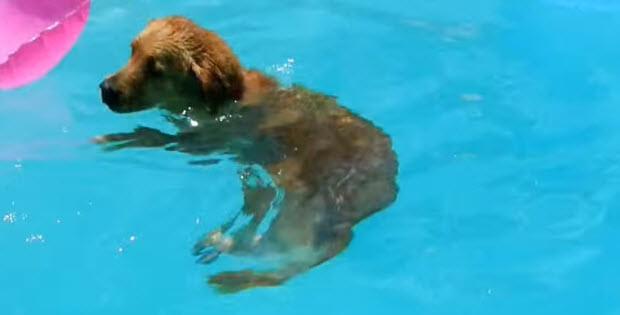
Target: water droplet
[(9, 218), (35, 238)]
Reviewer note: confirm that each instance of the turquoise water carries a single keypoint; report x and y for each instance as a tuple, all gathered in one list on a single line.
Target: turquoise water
[(505, 116)]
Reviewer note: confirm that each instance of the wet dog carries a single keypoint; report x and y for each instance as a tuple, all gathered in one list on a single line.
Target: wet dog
[(311, 168)]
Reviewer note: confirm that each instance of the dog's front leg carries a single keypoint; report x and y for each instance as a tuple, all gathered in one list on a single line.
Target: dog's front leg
[(140, 137)]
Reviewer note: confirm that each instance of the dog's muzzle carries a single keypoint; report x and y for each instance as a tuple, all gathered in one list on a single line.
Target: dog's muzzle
[(109, 95)]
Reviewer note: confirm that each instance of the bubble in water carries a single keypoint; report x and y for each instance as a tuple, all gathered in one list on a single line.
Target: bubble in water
[(471, 97)]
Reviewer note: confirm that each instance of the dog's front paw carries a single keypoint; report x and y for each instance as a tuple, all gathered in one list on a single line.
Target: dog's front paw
[(103, 139), (209, 247)]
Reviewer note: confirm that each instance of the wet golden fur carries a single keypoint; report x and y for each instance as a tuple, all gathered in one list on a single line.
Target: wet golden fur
[(319, 167)]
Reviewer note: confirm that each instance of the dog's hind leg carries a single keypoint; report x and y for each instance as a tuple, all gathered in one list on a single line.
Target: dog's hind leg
[(234, 281)]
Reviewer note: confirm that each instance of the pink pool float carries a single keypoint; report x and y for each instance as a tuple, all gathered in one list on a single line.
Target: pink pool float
[(35, 35)]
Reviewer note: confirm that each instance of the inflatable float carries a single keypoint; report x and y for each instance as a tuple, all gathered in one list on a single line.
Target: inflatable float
[(35, 35)]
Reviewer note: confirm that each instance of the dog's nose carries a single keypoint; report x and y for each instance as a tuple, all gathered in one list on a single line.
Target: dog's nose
[(109, 95)]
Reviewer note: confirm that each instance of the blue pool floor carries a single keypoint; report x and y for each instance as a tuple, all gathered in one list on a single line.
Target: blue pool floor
[(505, 116)]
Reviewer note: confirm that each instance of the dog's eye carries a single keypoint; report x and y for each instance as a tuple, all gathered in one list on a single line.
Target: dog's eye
[(154, 67)]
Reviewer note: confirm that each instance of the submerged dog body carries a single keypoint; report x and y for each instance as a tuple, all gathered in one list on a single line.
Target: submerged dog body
[(326, 167)]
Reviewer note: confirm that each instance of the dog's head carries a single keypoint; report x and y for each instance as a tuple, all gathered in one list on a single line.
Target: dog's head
[(174, 63)]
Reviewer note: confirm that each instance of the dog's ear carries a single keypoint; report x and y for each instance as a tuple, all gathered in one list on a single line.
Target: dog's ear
[(218, 85), (213, 89)]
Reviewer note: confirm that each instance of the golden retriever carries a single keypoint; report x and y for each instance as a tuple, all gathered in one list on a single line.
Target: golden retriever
[(310, 169)]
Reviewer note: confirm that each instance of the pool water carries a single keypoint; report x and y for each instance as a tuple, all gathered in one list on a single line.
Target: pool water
[(505, 116)]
